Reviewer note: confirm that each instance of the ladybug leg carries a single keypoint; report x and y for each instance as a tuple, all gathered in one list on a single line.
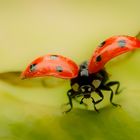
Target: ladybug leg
[(98, 91), (81, 102), (72, 95), (94, 103), (111, 98), (107, 88), (98, 101), (69, 94), (112, 83)]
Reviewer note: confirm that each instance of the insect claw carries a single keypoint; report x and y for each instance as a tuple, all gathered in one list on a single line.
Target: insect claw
[(63, 108), (81, 102), (116, 105)]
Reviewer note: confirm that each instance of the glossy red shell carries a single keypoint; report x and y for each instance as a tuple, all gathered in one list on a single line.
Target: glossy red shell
[(51, 65), (111, 48)]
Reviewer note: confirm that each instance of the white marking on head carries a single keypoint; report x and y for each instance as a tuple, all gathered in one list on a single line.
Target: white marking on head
[(89, 89), (82, 89)]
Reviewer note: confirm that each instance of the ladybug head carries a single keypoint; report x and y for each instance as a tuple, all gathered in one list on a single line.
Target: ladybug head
[(86, 89)]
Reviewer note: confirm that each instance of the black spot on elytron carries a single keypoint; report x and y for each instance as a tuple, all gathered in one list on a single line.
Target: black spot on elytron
[(122, 43), (32, 67), (59, 69), (98, 58), (53, 57), (102, 44)]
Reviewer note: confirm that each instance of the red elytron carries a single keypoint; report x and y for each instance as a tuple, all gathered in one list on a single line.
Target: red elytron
[(90, 76), (111, 48), (51, 65)]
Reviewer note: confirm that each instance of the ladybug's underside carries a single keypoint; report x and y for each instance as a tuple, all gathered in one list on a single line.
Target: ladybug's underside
[(85, 84)]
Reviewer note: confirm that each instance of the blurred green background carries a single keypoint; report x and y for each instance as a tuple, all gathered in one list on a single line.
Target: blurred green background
[(30, 109)]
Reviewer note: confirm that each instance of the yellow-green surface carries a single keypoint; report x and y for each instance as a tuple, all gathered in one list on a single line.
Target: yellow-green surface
[(30, 109)]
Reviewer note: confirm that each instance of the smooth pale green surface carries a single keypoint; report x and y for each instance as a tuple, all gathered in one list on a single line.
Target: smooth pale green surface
[(32, 28), (31, 109)]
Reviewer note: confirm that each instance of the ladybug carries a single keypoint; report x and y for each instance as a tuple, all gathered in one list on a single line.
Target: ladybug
[(91, 76)]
